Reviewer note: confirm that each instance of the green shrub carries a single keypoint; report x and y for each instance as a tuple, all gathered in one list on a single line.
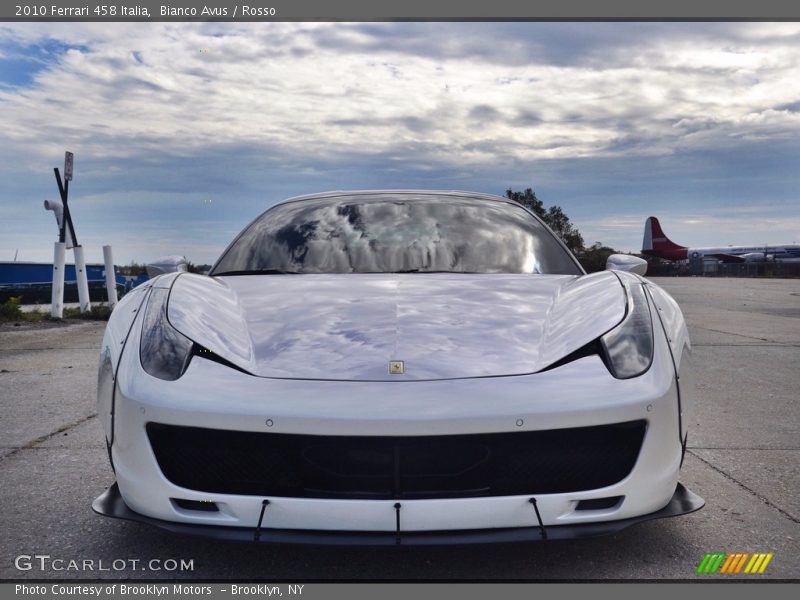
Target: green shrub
[(9, 310)]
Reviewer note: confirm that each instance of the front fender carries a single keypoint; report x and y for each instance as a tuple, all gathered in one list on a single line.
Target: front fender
[(115, 337), (671, 319)]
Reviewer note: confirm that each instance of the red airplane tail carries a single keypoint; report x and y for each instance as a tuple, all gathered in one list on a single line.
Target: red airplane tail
[(656, 243)]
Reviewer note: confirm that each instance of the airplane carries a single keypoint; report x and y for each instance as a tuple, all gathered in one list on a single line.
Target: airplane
[(656, 243)]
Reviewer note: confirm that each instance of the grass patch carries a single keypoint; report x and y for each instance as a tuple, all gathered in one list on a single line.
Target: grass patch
[(98, 312), (10, 312)]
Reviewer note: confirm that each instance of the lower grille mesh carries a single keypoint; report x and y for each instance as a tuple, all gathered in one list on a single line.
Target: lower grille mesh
[(453, 466)]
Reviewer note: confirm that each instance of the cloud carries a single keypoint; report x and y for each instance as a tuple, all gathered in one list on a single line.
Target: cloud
[(250, 111), (572, 89)]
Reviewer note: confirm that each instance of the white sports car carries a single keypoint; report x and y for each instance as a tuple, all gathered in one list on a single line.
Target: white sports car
[(391, 367)]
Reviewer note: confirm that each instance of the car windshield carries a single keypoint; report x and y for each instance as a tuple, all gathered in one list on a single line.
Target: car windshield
[(396, 233)]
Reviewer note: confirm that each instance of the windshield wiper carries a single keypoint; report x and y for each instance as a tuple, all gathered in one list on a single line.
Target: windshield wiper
[(258, 272)]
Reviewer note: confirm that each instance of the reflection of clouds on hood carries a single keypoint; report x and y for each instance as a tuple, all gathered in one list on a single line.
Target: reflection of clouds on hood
[(350, 326), (398, 232)]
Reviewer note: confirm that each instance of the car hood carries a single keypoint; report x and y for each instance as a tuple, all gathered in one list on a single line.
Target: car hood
[(349, 326)]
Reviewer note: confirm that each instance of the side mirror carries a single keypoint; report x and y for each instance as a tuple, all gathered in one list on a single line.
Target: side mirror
[(626, 262)]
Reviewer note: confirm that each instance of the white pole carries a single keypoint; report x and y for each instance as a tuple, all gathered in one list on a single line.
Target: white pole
[(58, 211), (111, 280), (83, 281), (57, 296)]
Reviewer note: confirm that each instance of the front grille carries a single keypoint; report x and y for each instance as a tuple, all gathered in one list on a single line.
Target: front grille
[(384, 467)]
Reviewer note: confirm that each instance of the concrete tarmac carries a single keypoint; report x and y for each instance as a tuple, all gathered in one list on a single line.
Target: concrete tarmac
[(744, 446)]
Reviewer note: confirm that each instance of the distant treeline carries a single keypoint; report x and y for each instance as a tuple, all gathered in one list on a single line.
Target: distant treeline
[(134, 269)]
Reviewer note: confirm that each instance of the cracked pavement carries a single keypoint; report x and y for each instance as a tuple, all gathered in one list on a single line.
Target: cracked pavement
[(744, 445)]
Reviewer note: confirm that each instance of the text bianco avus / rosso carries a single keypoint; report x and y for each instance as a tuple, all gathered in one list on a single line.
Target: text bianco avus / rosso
[(216, 11)]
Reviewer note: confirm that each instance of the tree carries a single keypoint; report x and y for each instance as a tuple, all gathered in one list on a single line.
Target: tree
[(131, 269), (193, 268), (554, 217), (563, 228), (595, 256), (528, 199)]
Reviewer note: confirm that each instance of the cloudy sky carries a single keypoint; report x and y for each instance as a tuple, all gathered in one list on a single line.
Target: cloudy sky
[(184, 132)]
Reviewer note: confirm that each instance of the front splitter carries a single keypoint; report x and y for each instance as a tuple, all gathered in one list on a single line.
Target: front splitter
[(111, 504)]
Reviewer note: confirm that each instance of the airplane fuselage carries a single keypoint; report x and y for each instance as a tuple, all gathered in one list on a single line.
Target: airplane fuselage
[(656, 243), (779, 252)]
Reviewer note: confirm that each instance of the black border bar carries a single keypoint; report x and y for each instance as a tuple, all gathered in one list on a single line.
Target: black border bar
[(408, 10)]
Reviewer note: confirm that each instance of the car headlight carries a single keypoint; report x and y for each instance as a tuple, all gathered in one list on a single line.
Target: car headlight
[(164, 351), (629, 346)]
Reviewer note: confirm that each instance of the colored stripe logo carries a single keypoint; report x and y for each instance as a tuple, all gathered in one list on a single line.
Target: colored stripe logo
[(738, 562)]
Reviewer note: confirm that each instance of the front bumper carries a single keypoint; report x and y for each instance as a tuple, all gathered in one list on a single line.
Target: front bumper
[(111, 504), (579, 394)]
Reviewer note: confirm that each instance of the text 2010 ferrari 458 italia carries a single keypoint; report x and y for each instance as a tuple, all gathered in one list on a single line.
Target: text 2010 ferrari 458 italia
[(392, 367)]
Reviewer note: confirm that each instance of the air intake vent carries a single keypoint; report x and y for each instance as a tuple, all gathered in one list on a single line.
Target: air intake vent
[(383, 467), (198, 505), (203, 352), (600, 503), (590, 349)]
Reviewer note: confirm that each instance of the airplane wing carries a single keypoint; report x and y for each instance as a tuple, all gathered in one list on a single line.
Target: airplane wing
[(729, 258)]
